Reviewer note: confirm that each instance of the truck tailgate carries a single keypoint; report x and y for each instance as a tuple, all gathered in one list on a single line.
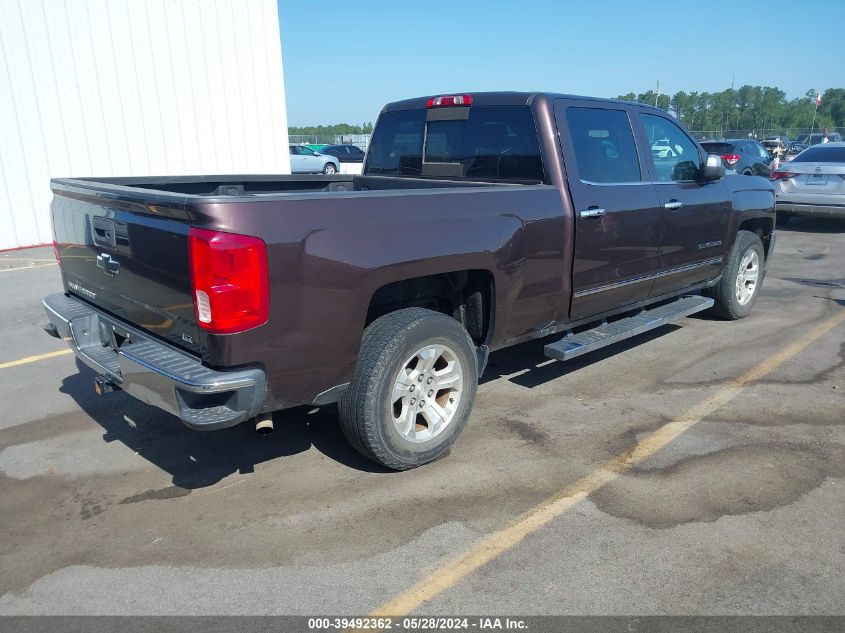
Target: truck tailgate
[(127, 253)]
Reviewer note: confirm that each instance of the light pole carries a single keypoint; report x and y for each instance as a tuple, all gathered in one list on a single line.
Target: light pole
[(818, 100)]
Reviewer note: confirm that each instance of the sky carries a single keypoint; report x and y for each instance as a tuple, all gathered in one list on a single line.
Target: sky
[(343, 60)]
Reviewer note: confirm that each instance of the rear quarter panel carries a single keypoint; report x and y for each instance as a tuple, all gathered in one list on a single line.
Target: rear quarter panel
[(328, 254)]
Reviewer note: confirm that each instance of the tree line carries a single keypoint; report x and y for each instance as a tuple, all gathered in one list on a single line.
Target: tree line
[(331, 130), (749, 108)]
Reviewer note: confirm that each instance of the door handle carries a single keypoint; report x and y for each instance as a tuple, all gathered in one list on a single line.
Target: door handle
[(592, 212), (673, 205)]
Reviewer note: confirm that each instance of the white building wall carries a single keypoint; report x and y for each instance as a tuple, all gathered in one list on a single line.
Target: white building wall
[(133, 88)]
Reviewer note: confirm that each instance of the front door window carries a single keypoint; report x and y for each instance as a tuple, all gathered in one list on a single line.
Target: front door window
[(675, 156)]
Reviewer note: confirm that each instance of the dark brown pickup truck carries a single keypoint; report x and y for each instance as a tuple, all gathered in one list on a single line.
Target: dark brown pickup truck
[(480, 221)]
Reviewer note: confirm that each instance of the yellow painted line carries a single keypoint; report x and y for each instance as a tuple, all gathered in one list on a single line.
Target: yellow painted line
[(8, 270), (454, 570), (33, 359)]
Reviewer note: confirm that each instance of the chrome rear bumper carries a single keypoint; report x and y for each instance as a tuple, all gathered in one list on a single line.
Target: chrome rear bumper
[(152, 371)]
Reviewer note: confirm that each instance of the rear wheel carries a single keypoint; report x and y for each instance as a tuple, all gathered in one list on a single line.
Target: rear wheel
[(412, 390), (329, 169), (739, 286)]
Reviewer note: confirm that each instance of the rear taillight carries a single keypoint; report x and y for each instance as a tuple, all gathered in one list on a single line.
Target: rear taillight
[(450, 100), (781, 175), (230, 281), (731, 159)]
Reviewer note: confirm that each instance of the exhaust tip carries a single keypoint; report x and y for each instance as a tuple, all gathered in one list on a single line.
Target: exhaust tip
[(264, 424)]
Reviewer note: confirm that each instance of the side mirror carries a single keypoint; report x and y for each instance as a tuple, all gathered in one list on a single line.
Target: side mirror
[(711, 169)]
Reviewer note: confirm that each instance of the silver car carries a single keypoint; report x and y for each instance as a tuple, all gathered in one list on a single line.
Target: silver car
[(304, 160), (812, 183)]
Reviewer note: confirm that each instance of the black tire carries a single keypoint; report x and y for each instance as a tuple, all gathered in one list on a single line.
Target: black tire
[(329, 169), (783, 218), (724, 293), (365, 410)]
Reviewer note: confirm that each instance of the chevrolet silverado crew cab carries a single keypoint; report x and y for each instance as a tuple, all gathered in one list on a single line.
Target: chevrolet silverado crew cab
[(479, 221)]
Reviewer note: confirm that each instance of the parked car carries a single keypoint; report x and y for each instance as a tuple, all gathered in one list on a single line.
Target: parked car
[(480, 221), (812, 183), (743, 156), (818, 137), (661, 149), (304, 160), (775, 143), (794, 148), (345, 153)]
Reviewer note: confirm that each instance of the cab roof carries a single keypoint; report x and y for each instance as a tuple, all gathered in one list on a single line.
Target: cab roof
[(506, 99)]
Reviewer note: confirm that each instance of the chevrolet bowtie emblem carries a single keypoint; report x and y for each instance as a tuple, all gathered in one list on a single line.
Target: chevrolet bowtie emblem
[(107, 264)]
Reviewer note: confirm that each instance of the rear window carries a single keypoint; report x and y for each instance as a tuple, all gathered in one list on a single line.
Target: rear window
[(495, 142), (821, 154), (718, 148), (396, 146)]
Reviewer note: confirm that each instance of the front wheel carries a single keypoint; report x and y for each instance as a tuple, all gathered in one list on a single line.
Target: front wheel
[(412, 389), (329, 169), (740, 284)]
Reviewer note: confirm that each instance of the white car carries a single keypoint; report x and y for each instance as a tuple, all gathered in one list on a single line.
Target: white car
[(304, 160), (662, 149), (812, 183)]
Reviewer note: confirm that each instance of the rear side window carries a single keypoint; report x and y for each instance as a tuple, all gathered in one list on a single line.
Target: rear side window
[(604, 145), (495, 142), (821, 154)]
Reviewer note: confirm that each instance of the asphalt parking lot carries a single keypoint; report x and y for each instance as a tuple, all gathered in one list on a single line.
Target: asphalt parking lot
[(109, 506)]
